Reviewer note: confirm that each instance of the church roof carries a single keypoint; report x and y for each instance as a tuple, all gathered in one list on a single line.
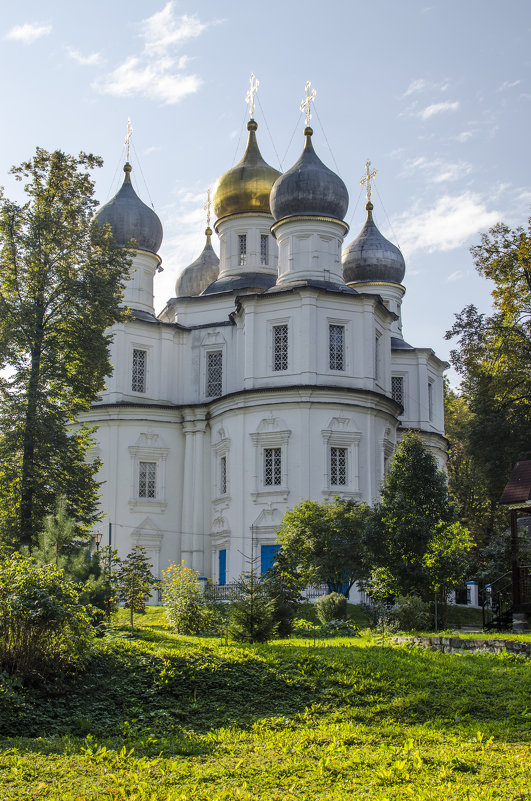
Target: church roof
[(202, 272), (309, 188), (130, 218), (371, 257)]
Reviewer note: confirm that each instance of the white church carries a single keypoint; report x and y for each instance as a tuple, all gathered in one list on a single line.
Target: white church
[(278, 372)]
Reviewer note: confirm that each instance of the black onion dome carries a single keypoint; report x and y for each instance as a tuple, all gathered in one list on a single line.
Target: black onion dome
[(371, 257), (130, 218), (202, 272), (309, 188)]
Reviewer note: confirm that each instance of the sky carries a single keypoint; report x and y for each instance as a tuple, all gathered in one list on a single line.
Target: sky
[(436, 95)]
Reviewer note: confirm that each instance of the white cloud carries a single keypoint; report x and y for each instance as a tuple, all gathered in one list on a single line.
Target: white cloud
[(156, 72), (92, 59), (438, 108), (464, 136), (455, 276), (445, 226), (437, 170), (29, 32), (415, 86), (507, 85)]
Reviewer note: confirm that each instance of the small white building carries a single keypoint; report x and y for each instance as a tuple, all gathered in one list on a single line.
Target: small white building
[(277, 373)]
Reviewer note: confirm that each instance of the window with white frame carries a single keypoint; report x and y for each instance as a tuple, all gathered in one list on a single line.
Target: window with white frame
[(272, 467), (214, 374), (430, 400), (338, 467), (264, 249), (147, 480), (223, 475), (397, 389), (242, 249), (280, 347), (138, 371), (336, 346)]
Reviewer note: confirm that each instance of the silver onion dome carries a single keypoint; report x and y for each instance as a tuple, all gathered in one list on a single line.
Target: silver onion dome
[(309, 188), (371, 257), (202, 272), (130, 218)]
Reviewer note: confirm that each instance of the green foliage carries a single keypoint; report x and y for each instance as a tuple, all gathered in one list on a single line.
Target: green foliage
[(414, 501), (325, 542), (252, 612), (164, 717), (61, 278), (283, 586), (43, 628), (493, 357), (187, 606), (331, 607), (410, 613), (135, 581)]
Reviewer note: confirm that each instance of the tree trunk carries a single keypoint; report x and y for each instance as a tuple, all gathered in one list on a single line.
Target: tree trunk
[(27, 491)]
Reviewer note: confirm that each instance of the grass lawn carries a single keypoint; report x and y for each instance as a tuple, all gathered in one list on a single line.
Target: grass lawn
[(160, 716)]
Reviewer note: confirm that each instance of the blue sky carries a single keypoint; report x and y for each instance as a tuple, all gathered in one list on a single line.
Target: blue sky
[(436, 95)]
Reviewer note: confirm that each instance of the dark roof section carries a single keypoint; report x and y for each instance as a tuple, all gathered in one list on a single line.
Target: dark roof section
[(328, 286), (233, 283), (400, 344), (518, 488)]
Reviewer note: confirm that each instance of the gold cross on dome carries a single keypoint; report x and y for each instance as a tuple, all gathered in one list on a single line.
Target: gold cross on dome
[(207, 206), (305, 104), (128, 139), (367, 178), (249, 97)]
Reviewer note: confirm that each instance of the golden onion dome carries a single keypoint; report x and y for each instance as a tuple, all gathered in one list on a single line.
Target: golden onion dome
[(246, 187)]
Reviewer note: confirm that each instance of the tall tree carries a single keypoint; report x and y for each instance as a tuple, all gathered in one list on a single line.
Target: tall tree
[(493, 357), (413, 503), (61, 281)]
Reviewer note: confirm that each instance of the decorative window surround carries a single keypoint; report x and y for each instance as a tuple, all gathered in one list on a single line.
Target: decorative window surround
[(148, 448), (264, 249), (220, 451), (212, 343), (398, 390), (337, 436), (270, 435), (280, 347), (214, 374), (149, 536), (242, 250), (336, 346)]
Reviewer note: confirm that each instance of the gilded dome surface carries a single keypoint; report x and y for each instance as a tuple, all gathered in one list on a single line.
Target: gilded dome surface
[(309, 188), (371, 257), (202, 272), (246, 187), (130, 218)]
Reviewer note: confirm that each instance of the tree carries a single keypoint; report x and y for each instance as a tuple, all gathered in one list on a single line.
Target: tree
[(134, 581), (61, 280), (252, 612), (413, 502), (446, 562), (325, 542)]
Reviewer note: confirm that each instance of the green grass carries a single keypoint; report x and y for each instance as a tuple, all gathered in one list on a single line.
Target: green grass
[(160, 716)]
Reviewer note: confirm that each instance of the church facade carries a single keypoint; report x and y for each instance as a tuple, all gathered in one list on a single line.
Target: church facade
[(278, 372)]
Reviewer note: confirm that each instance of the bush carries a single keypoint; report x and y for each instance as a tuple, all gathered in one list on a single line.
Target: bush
[(410, 613), (331, 607), (44, 629), (187, 608)]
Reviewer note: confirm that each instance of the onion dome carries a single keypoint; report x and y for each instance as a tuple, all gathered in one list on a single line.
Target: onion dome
[(130, 218), (195, 278), (246, 187), (371, 257), (309, 188)]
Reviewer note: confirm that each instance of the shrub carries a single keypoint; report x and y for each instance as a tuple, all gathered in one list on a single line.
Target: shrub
[(331, 607), (44, 629), (339, 628), (187, 608), (410, 613)]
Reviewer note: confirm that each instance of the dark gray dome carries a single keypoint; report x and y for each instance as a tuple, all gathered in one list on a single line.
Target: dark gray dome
[(309, 188), (130, 218), (371, 257), (195, 278)]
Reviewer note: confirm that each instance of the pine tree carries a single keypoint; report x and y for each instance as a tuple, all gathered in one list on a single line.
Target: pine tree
[(252, 612), (134, 581)]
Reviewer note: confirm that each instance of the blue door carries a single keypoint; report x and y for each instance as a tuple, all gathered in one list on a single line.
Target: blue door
[(222, 567), (268, 554)]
